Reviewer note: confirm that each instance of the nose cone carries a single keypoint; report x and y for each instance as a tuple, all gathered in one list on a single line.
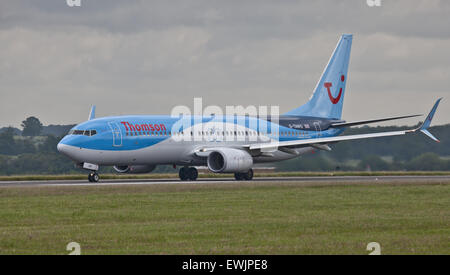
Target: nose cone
[(71, 148), (63, 149), (65, 146)]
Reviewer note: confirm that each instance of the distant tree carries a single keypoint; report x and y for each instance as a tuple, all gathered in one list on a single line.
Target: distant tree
[(24, 146), (374, 162), (7, 143), (31, 126), (428, 162), (309, 162), (49, 144), (9, 132)]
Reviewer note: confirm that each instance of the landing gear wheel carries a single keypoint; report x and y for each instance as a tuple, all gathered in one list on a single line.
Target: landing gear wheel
[(248, 175), (238, 176), (93, 177), (192, 173), (244, 176), (183, 173)]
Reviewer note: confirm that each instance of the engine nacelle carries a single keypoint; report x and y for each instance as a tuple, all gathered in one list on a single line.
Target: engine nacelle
[(229, 160), (135, 169)]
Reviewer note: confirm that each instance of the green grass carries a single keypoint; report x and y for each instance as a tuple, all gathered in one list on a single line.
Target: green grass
[(235, 218), (211, 175)]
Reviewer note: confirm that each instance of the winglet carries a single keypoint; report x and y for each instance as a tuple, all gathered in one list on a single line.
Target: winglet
[(430, 135), (423, 128), (92, 113)]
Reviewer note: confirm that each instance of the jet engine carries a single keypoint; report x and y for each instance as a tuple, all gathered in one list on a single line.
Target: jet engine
[(229, 160), (134, 169)]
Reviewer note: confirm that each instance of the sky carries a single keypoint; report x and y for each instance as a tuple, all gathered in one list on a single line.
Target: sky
[(146, 57)]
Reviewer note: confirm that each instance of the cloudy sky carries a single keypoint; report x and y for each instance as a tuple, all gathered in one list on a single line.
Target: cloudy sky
[(145, 57)]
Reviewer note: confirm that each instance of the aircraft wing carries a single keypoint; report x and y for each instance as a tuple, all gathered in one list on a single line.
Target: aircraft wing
[(313, 141), (361, 122), (321, 141)]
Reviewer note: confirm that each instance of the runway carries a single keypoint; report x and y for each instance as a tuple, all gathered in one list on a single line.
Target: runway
[(330, 179)]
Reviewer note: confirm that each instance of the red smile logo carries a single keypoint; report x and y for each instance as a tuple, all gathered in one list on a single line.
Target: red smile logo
[(328, 85)]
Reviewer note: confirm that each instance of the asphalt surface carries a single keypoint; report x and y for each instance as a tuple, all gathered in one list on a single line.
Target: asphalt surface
[(350, 179)]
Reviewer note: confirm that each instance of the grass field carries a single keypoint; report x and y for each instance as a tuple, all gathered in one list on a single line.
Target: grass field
[(233, 218)]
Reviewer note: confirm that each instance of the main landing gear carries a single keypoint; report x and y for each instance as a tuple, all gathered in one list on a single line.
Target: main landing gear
[(191, 173), (188, 173), (93, 177), (244, 176)]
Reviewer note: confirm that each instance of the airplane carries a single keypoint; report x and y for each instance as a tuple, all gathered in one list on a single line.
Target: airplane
[(224, 144)]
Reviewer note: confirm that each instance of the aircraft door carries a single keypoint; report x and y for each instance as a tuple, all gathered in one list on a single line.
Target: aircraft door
[(116, 134), (317, 127)]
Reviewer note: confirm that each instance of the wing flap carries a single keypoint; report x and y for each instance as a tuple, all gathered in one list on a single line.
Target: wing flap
[(313, 141)]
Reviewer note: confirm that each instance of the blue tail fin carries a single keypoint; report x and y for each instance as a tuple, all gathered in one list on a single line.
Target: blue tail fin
[(328, 97)]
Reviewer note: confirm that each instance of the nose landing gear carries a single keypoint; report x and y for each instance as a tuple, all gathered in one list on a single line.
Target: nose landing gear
[(92, 168), (93, 177), (186, 173)]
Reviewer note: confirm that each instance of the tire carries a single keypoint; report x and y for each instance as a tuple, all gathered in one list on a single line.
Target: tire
[(238, 176), (248, 175), (93, 177), (192, 173), (183, 173)]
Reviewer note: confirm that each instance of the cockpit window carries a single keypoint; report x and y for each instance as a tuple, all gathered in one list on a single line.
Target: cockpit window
[(83, 132)]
